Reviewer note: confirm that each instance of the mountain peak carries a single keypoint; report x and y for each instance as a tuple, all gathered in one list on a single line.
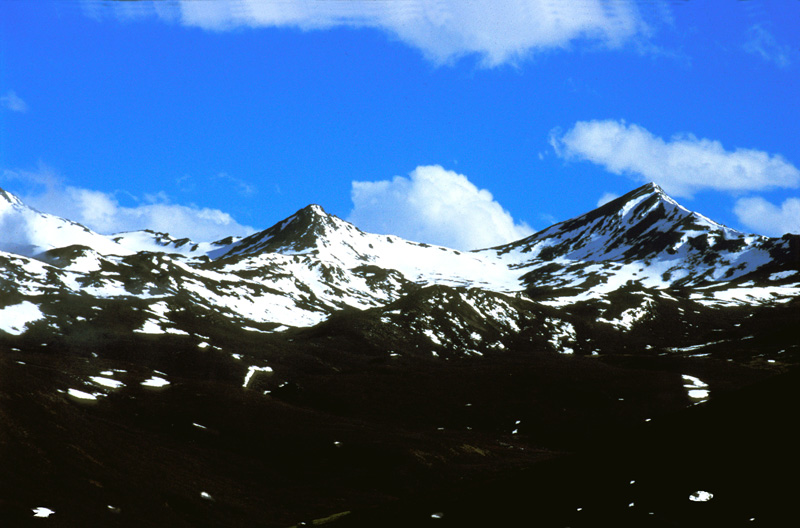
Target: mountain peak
[(313, 208), (623, 209), (308, 215), (649, 191), (299, 233), (643, 224), (8, 197), (653, 187)]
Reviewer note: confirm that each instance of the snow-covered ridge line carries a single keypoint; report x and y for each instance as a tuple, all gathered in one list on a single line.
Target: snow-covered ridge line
[(28, 232), (312, 264)]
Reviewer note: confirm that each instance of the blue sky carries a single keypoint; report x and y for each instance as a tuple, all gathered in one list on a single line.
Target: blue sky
[(467, 124)]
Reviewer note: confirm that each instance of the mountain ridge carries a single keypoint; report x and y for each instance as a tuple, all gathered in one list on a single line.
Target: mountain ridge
[(314, 221), (312, 264)]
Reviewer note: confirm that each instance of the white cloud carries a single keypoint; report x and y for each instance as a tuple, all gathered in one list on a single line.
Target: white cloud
[(103, 213), (607, 197), (13, 102), (436, 206), (681, 165), (762, 43), (498, 31), (43, 176), (767, 218)]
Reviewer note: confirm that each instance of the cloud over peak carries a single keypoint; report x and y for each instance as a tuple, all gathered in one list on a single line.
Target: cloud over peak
[(682, 165), (102, 212), (768, 218), (436, 206)]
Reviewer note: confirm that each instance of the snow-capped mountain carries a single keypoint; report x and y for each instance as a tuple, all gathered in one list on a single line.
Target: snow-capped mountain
[(650, 236), (312, 264)]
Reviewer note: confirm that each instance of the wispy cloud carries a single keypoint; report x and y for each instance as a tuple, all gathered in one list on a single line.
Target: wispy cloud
[(767, 218), (436, 206), (762, 43), (42, 176), (607, 197), (499, 31), (241, 186), (11, 101), (103, 212), (681, 165)]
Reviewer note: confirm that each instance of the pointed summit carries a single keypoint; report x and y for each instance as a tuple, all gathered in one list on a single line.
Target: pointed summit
[(652, 187), (650, 193), (649, 190), (307, 230), (642, 224), (310, 216), (8, 198), (313, 209)]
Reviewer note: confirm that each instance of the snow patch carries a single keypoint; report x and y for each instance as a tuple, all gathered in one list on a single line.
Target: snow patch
[(107, 382), (701, 496), (432, 336), (41, 511), (696, 389), (748, 296), (155, 381), (252, 370), (630, 316), (15, 318), (75, 393), (150, 327)]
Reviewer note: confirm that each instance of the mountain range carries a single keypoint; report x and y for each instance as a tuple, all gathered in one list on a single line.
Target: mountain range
[(312, 264), (375, 369)]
